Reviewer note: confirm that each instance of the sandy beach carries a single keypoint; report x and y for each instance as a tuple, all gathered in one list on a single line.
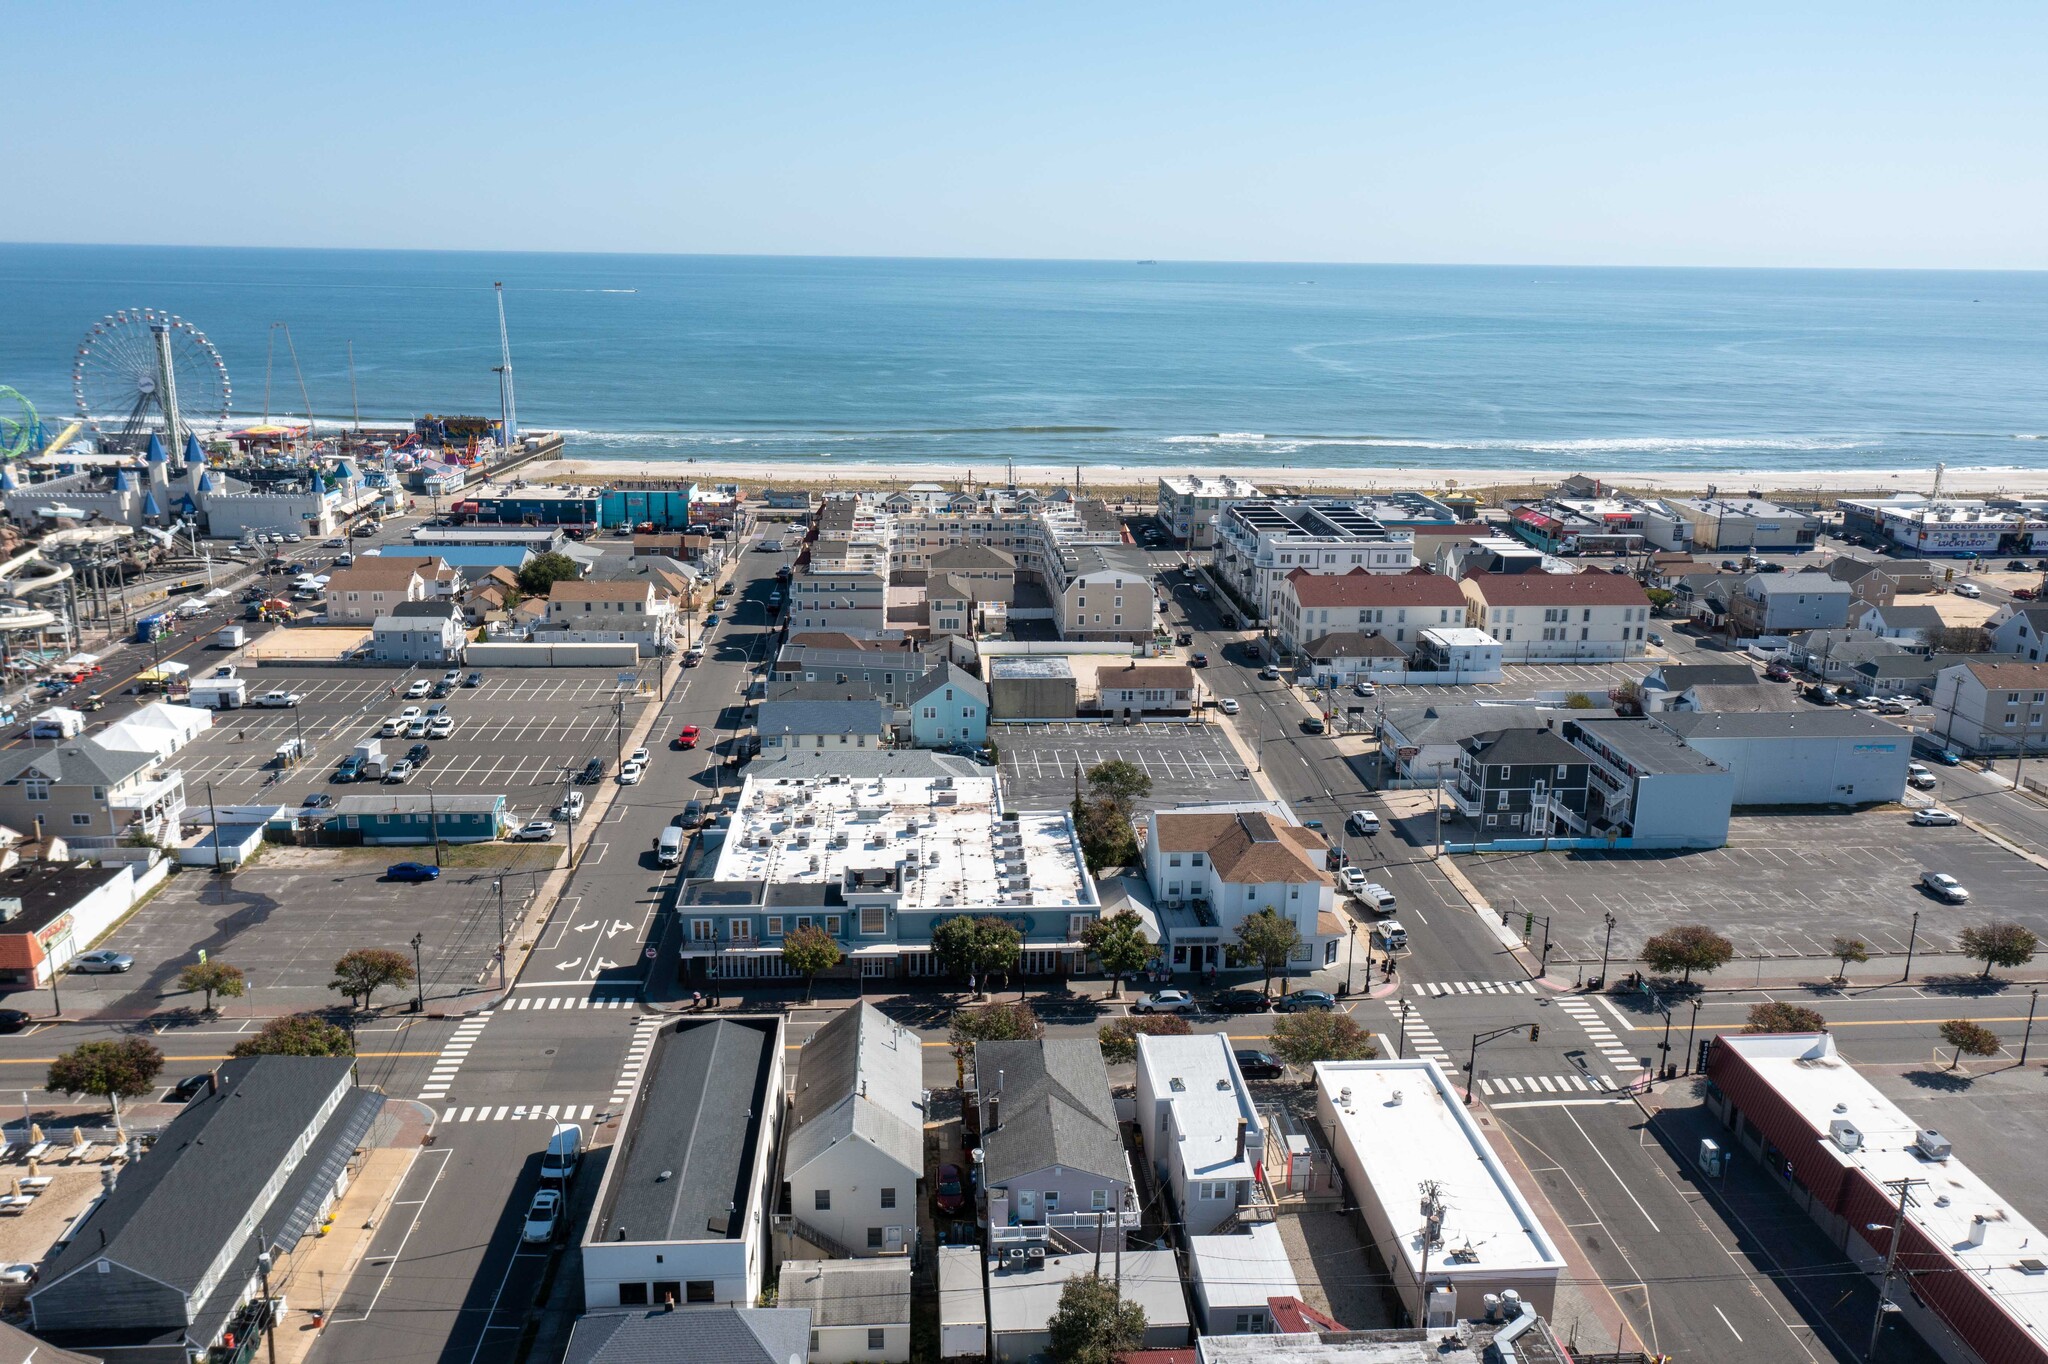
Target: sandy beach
[(1108, 479)]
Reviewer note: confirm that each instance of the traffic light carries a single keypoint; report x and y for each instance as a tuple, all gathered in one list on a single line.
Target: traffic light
[(1535, 1031)]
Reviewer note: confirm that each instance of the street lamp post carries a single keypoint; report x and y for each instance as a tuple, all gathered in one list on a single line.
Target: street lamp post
[(1606, 948), (1664, 1047), (1912, 938), (2033, 998), (434, 826), (1690, 1028), (498, 885), (1401, 1042), (419, 976), (1351, 958)]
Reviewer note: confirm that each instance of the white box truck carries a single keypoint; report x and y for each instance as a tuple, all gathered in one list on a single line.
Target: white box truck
[(233, 637), (220, 693), (369, 756)]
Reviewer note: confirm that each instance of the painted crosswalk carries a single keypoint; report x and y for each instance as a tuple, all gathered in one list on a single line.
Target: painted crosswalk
[(567, 1002), (1421, 1041), (636, 1058), (453, 1054), (521, 1113), (1437, 989), (1547, 1084), (1587, 1016)]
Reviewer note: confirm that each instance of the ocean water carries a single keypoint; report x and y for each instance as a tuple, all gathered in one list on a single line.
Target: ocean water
[(1154, 366)]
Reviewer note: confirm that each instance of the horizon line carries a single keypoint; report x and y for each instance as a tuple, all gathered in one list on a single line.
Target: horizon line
[(1030, 260)]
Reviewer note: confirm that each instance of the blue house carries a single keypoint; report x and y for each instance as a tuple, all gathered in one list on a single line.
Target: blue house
[(667, 508), (949, 706), (406, 817)]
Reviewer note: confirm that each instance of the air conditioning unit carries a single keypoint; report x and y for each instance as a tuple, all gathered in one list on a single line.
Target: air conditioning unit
[(1932, 1144), (1845, 1134), (1035, 1256), (1015, 1255)]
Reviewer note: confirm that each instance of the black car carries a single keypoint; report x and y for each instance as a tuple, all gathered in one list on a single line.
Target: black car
[(186, 1089), (442, 688), (418, 754), (593, 771), (1198, 661), (319, 800), (2016, 566), (14, 1020), (473, 680), (1241, 1002), (1259, 1065)]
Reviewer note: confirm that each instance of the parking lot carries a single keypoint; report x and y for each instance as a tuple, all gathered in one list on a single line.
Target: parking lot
[(1785, 886), (1188, 762), (515, 734), (286, 920), (1530, 679)]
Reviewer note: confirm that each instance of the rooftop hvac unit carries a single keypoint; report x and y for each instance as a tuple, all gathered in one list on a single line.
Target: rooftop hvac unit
[(1845, 1134), (1034, 1257), (1015, 1255), (1932, 1144)]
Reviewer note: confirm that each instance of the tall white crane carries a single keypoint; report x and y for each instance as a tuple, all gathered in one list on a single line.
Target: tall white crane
[(505, 399)]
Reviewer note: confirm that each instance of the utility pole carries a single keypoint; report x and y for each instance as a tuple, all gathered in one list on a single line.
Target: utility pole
[(1902, 1188), (2033, 998), (1436, 806), (269, 1312), (1911, 938), (1690, 1029), (498, 885), (1432, 1227), (419, 976)]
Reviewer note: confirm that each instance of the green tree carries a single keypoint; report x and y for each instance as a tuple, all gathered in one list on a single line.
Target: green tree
[(1268, 938), (297, 1035), (1780, 1017), (1998, 944), (976, 947), (1094, 1323), (1119, 1038), (110, 1070), (1121, 782), (1317, 1035), (1660, 597), (1960, 639), (1010, 1022), (1848, 951), (543, 571), (366, 970), (809, 950), (1578, 700), (1119, 943), (1688, 948), (1969, 1038), (213, 978), (1107, 838)]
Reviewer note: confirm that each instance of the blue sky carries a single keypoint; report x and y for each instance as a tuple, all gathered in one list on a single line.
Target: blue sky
[(1627, 134)]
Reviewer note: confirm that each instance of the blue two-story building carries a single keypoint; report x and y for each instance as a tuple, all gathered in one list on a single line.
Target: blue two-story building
[(877, 849)]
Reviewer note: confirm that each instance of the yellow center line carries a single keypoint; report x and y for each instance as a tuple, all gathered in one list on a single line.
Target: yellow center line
[(180, 1056)]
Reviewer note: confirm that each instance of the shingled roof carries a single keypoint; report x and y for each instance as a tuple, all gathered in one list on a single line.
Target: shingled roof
[(1054, 1109), (1247, 847)]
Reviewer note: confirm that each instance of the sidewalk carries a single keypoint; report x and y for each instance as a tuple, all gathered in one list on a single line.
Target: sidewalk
[(313, 1276)]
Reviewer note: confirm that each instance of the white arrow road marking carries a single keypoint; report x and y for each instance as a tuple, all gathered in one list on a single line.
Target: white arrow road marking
[(567, 965), (618, 926), (583, 928)]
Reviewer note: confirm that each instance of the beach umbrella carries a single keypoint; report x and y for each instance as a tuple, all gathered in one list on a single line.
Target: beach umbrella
[(77, 1137), (14, 1188), (35, 1134), (33, 1166)]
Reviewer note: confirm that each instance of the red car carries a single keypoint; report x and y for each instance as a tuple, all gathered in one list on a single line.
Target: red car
[(688, 738), (2023, 594), (950, 1197)]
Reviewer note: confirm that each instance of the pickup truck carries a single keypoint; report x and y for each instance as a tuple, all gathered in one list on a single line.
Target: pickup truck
[(277, 700)]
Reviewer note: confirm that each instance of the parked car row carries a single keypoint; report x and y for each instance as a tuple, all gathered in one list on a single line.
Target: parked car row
[(1233, 1001)]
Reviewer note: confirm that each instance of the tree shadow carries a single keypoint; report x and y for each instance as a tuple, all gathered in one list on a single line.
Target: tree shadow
[(1964, 986), (1939, 1081)]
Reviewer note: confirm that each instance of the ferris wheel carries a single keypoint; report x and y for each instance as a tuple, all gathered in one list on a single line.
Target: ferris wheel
[(19, 429), (140, 372)]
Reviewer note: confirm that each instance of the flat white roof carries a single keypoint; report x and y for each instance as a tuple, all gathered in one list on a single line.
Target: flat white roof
[(1208, 1103), (1460, 636), (960, 1295), (1407, 1124), (1807, 1073), (946, 834), (1025, 1299), (1243, 1268)]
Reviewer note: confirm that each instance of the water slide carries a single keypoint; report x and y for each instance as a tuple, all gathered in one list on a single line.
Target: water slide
[(23, 574)]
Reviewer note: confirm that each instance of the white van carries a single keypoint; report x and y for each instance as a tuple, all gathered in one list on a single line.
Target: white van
[(565, 1148), (1376, 897), (668, 849)]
